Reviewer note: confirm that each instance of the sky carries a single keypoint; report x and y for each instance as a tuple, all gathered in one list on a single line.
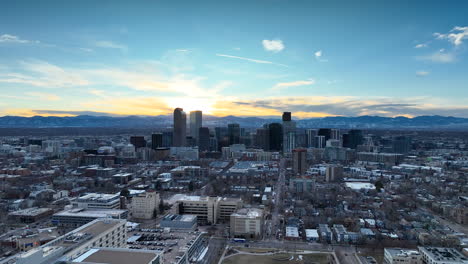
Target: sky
[(244, 58)]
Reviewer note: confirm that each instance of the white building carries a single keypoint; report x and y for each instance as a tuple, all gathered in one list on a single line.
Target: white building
[(247, 222), (439, 255), (145, 205), (401, 255), (102, 233), (208, 209), (97, 201)]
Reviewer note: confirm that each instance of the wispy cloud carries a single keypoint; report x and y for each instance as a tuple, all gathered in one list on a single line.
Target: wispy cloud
[(421, 45), (283, 85), (275, 45), (7, 38), (422, 73), (455, 36), (439, 57), (318, 56), (251, 60), (110, 45), (43, 96)]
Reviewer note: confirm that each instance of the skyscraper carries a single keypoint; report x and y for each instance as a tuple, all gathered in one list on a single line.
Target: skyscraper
[(138, 141), (320, 141), (234, 133), (310, 135), (156, 140), (326, 132), (204, 139), (289, 133), (195, 123), (276, 136), (353, 139), (262, 138), (180, 128), (299, 161)]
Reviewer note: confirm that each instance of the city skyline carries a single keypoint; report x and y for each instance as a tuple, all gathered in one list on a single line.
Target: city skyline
[(240, 58)]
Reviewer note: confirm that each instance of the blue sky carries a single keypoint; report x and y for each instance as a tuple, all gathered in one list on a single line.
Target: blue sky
[(247, 58)]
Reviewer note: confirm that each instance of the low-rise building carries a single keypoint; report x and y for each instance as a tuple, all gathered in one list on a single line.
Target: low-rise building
[(97, 201), (208, 209), (79, 216), (247, 222), (179, 222), (400, 255), (119, 256), (440, 255), (30, 215)]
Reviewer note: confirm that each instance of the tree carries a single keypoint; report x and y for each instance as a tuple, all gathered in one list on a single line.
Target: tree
[(125, 192), (378, 185)]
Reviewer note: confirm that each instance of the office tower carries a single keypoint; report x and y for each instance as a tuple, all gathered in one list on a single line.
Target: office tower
[(310, 135), (138, 141), (276, 136), (180, 128), (262, 138), (299, 161), (320, 141), (167, 137), (156, 140), (195, 123), (401, 144), (286, 116), (353, 139), (326, 132), (334, 173), (234, 132), (289, 133), (204, 139), (221, 134), (335, 134), (301, 139)]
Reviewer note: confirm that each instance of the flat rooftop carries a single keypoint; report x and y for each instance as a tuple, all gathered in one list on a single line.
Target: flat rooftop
[(117, 256), (91, 213)]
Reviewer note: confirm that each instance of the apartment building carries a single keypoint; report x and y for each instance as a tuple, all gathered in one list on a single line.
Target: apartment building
[(401, 255), (97, 201)]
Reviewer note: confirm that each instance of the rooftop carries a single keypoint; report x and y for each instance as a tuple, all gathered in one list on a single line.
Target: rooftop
[(117, 256)]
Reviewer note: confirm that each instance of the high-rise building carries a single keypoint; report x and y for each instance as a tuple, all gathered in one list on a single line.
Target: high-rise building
[(145, 205), (335, 134), (234, 133), (195, 123), (138, 141), (204, 139), (180, 128), (326, 132), (334, 173), (276, 136), (310, 137), (320, 141), (167, 137), (289, 133), (156, 140), (353, 139), (262, 138), (286, 116), (299, 161), (401, 144)]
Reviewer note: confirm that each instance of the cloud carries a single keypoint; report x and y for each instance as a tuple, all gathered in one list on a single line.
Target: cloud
[(421, 45), (439, 57), (275, 45), (110, 45), (318, 56), (43, 74), (455, 36), (251, 60), (43, 96), (72, 113), (283, 85), (6, 38), (422, 73), (182, 50)]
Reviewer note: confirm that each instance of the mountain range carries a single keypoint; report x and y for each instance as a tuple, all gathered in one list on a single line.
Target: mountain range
[(364, 122)]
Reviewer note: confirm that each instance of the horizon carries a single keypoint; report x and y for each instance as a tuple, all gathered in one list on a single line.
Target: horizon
[(70, 58)]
